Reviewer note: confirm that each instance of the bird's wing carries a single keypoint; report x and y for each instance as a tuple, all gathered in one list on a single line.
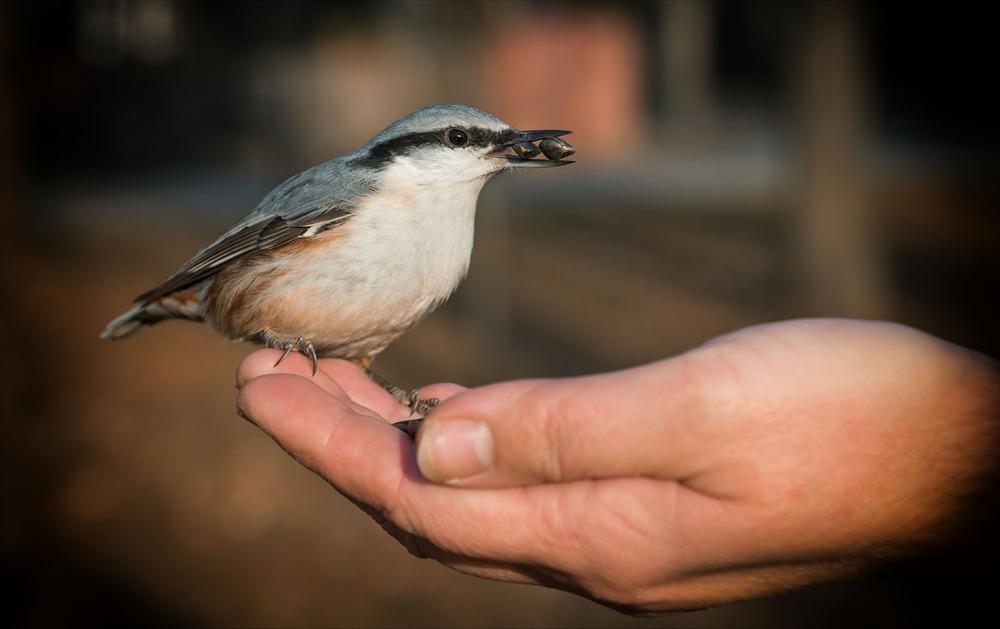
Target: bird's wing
[(299, 208)]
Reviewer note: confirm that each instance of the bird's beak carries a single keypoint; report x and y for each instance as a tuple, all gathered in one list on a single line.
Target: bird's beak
[(520, 150)]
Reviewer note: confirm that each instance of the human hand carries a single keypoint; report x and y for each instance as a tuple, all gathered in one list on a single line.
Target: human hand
[(765, 460)]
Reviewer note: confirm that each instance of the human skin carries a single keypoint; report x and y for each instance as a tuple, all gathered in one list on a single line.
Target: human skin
[(765, 460)]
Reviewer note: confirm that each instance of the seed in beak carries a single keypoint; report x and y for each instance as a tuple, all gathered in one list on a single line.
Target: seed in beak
[(556, 148), (526, 150)]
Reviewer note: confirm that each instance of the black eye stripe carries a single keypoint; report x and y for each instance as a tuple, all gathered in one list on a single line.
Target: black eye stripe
[(405, 143), (383, 152)]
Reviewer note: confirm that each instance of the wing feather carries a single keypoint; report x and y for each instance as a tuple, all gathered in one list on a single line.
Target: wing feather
[(244, 240), (313, 201)]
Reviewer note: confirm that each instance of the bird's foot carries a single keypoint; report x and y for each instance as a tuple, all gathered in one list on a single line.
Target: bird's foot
[(412, 400), (300, 344), (417, 405)]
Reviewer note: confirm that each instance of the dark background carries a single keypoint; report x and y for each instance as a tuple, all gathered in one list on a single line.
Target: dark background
[(738, 163)]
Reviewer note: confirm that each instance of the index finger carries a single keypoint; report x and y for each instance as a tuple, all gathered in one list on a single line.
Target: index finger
[(335, 376), (375, 464)]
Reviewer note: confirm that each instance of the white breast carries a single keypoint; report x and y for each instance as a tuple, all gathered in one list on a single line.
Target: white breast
[(403, 252)]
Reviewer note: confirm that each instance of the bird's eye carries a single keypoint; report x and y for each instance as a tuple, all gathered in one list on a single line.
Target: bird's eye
[(457, 137)]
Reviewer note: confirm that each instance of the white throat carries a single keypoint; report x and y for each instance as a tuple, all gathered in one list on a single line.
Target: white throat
[(420, 228)]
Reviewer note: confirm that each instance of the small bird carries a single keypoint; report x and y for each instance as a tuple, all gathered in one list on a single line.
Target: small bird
[(343, 258)]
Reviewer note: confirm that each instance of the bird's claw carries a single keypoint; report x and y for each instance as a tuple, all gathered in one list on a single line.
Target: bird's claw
[(300, 344), (412, 400), (421, 406), (409, 426), (417, 405)]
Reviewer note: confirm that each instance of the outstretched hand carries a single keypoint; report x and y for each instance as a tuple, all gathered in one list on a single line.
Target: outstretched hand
[(765, 460)]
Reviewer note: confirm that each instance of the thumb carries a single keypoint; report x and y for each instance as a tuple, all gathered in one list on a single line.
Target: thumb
[(637, 422)]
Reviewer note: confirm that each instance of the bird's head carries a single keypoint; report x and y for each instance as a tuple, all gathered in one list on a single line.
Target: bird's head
[(455, 144)]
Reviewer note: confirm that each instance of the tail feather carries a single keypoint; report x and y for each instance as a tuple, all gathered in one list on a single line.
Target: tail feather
[(127, 324), (180, 305)]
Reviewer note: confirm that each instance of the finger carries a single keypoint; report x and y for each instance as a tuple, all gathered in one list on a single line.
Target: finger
[(265, 362), (328, 434), (485, 532), (363, 390), (338, 377), (375, 465), (441, 391), (638, 422)]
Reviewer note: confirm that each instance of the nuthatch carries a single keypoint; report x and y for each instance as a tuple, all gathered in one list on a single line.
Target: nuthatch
[(343, 258)]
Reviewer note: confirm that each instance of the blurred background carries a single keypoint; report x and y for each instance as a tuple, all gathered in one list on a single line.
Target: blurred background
[(738, 162)]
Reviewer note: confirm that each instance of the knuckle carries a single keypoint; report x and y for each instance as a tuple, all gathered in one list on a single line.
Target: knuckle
[(549, 430)]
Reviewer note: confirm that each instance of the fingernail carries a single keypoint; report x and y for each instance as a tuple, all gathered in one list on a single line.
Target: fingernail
[(454, 449)]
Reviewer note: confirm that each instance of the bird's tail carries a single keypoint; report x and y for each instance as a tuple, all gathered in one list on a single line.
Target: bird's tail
[(127, 324), (181, 305)]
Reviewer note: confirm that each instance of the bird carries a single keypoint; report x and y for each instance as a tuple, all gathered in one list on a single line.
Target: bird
[(343, 258)]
